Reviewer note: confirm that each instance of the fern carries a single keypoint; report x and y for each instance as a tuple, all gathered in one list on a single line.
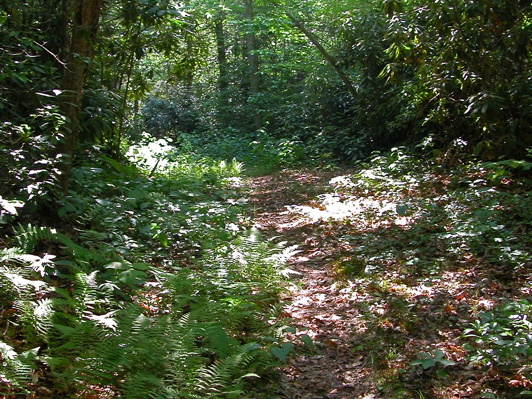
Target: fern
[(10, 254), (81, 310), (41, 265), (256, 261), (16, 368), (28, 237), (30, 318), (8, 289), (225, 377)]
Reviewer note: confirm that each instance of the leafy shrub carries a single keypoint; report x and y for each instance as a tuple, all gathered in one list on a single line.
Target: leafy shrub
[(260, 152), (166, 118), (30, 172), (502, 337)]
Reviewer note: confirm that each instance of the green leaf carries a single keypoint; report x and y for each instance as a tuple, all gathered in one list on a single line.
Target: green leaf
[(64, 330), (163, 239), (442, 374), (401, 209), (282, 352), (424, 360), (249, 375), (10, 206), (446, 362), (117, 266), (309, 344), (70, 208), (115, 164), (132, 277), (141, 266), (44, 94)]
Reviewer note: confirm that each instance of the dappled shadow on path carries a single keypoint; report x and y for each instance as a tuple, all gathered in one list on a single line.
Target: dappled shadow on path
[(331, 367), (368, 326)]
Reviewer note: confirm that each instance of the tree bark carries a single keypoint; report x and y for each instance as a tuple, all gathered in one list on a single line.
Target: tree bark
[(221, 52), (253, 60), (83, 18)]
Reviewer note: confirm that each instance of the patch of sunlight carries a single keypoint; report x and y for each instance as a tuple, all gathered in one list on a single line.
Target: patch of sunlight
[(235, 181), (342, 181), (149, 155), (332, 207)]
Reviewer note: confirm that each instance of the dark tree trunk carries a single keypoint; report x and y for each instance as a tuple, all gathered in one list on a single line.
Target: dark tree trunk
[(82, 17), (221, 52), (253, 60), (223, 69)]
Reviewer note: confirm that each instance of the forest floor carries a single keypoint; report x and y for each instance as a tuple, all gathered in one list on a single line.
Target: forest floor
[(366, 330), (315, 304)]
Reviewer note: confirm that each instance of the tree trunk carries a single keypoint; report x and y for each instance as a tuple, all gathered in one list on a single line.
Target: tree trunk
[(253, 60), (221, 52), (223, 70), (83, 17)]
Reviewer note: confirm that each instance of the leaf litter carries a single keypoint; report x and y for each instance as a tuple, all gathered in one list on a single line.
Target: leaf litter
[(382, 295)]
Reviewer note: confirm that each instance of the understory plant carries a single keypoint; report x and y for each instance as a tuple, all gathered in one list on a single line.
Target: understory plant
[(445, 249), (502, 337), (153, 292)]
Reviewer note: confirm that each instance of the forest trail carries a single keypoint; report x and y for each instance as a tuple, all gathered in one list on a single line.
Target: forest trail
[(319, 304)]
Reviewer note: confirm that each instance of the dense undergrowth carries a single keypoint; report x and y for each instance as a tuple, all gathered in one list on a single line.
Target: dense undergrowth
[(152, 288), (259, 151)]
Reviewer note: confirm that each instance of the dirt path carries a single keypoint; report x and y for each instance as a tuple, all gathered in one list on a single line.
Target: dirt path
[(386, 296), (319, 305)]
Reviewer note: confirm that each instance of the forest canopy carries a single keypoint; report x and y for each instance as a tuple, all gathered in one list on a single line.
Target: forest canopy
[(338, 79)]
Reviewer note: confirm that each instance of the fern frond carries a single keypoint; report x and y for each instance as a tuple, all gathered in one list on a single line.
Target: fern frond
[(144, 385), (17, 367), (43, 314), (225, 376), (9, 254), (28, 237), (8, 289), (36, 318), (37, 263), (14, 284)]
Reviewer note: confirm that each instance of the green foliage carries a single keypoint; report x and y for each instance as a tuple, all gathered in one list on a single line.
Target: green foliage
[(30, 170), (474, 213), (418, 68), (502, 337), (428, 361), (151, 248), (438, 256), (29, 74), (167, 118), (16, 367), (259, 153), (464, 67), (223, 378), (152, 294), (281, 352)]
